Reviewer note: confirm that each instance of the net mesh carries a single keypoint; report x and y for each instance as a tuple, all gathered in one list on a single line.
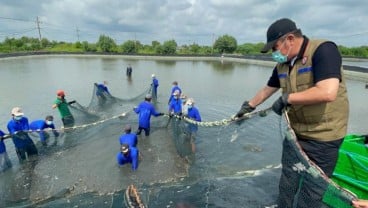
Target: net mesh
[(314, 188), (175, 172)]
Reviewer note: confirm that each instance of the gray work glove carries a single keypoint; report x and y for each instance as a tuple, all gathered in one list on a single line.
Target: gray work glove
[(245, 108), (280, 103)]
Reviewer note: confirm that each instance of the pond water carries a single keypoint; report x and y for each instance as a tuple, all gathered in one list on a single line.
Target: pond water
[(232, 164)]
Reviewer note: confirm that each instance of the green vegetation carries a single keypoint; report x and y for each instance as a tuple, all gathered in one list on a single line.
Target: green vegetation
[(225, 44), (105, 44)]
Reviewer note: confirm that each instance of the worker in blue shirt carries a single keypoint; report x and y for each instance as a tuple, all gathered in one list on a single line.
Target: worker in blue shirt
[(154, 86), (176, 104), (128, 155), (41, 125), (5, 162), (128, 138), (18, 127), (102, 90), (193, 114), (173, 89), (145, 110)]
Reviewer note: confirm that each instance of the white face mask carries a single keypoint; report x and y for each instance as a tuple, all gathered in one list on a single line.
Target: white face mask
[(48, 122), (17, 118)]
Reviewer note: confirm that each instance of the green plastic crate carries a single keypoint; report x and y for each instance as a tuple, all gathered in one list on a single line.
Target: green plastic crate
[(351, 171)]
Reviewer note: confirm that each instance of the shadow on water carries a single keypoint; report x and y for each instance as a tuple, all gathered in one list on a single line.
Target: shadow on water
[(166, 63), (222, 65)]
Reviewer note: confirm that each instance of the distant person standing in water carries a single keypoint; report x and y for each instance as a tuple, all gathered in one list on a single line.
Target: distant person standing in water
[(62, 105), (154, 86), (129, 71)]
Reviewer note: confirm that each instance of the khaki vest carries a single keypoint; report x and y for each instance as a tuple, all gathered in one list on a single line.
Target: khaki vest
[(323, 121)]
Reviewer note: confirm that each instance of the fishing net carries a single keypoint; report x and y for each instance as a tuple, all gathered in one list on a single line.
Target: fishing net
[(225, 163), (311, 182), (314, 188), (68, 168)]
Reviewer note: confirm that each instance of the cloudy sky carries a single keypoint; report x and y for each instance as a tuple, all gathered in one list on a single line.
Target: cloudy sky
[(186, 21)]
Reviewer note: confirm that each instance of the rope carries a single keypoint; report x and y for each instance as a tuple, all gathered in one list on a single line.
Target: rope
[(132, 198), (222, 122), (97, 122), (73, 127)]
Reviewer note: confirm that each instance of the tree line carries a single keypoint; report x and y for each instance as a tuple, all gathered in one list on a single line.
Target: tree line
[(105, 44)]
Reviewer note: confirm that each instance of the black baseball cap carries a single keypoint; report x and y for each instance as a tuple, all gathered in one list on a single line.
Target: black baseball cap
[(277, 30)]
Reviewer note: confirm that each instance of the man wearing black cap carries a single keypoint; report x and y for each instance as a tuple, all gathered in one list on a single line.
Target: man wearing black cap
[(310, 74)]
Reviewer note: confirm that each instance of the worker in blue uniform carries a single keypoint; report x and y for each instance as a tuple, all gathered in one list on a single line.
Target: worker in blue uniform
[(18, 127), (193, 114), (154, 86), (102, 87), (145, 110), (5, 162), (128, 155), (129, 138), (176, 104), (42, 126), (174, 88), (102, 90)]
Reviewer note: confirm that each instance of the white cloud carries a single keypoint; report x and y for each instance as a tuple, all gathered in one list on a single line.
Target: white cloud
[(185, 21)]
